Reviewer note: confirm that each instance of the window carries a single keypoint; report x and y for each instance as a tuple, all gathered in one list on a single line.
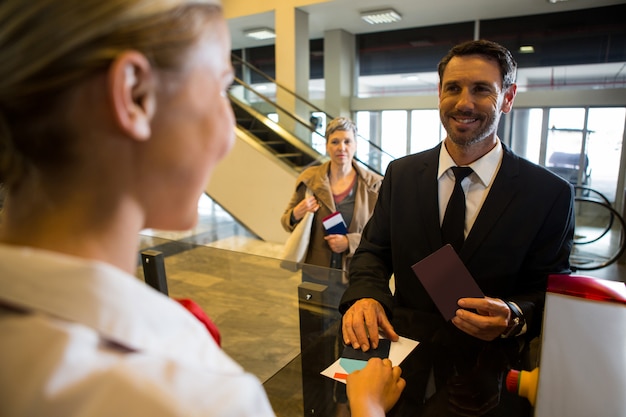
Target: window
[(426, 130)]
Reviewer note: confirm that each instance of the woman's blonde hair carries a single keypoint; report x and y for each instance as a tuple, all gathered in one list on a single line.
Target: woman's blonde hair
[(47, 46)]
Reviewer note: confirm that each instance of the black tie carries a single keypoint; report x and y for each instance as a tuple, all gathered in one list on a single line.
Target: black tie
[(452, 228)]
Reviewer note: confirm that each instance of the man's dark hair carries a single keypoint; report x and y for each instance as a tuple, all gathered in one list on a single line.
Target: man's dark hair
[(492, 50)]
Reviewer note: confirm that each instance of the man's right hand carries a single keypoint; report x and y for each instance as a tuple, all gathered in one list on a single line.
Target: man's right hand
[(362, 322)]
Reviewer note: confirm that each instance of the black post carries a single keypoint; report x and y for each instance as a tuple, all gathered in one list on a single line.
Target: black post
[(154, 270)]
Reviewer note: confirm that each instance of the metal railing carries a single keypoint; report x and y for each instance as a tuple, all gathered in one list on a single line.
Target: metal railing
[(600, 232), (306, 121)]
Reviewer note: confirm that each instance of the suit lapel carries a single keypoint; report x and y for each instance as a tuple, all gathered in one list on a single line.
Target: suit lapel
[(504, 187), (429, 191)]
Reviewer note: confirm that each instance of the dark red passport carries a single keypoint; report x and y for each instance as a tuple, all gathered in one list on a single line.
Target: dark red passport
[(446, 279)]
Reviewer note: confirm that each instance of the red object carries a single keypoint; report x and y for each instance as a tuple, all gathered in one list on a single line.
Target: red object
[(588, 288), (512, 381), (197, 311)]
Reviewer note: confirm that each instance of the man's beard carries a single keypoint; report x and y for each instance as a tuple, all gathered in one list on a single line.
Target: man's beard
[(484, 131)]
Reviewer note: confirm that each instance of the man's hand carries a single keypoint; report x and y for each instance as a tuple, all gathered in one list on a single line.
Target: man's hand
[(375, 389), (362, 322), (489, 320)]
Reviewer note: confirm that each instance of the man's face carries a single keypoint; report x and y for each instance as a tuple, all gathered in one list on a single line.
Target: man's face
[(471, 99)]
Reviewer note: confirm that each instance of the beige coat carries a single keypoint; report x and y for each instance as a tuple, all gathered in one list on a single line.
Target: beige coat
[(316, 179)]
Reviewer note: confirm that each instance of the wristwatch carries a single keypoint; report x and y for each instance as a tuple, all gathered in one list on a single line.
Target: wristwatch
[(517, 322)]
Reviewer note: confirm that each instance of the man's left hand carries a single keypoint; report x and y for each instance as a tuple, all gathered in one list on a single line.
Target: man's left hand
[(484, 318)]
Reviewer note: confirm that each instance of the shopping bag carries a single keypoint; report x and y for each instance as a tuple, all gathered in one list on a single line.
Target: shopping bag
[(297, 243)]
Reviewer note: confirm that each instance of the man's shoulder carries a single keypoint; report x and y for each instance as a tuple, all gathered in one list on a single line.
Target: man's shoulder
[(534, 172)]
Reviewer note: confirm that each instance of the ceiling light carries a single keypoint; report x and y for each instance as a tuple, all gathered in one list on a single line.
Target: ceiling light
[(260, 33), (555, 1), (381, 16), (526, 49)]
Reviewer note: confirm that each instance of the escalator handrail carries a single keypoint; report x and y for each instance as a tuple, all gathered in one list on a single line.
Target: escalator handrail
[(604, 200), (273, 81), (622, 242), (274, 104), (314, 154), (302, 99), (589, 189)]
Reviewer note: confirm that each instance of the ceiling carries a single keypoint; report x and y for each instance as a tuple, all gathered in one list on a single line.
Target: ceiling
[(345, 14)]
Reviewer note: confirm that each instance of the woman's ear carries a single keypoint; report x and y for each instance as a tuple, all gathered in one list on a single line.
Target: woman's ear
[(131, 90)]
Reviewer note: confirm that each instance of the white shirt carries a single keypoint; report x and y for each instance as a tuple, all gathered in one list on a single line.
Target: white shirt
[(476, 186), (83, 338)]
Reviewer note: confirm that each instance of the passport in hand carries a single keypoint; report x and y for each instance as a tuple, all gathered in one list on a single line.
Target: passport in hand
[(334, 224), (446, 279)]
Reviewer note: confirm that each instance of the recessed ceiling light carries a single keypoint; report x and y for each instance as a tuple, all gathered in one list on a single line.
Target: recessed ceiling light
[(526, 49), (375, 17), (260, 33)]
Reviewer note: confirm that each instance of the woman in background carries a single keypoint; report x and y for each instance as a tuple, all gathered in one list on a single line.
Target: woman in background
[(339, 185), (113, 115)]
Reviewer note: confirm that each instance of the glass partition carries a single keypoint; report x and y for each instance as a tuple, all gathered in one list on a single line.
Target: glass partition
[(278, 320)]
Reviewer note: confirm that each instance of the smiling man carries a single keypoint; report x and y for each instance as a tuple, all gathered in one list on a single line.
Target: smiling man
[(517, 229)]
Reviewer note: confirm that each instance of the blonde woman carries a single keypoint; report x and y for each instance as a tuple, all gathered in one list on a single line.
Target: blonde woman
[(112, 116)]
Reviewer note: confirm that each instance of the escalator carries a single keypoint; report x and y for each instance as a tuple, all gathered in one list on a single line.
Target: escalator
[(274, 138), (293, 133), (273, 145), (599, 233)]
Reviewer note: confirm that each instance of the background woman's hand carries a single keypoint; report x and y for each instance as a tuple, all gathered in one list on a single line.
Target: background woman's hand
[(375, 389), (337, 243), (309, 204)]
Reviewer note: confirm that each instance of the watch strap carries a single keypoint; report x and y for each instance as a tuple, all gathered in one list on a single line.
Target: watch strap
[(516, 323)]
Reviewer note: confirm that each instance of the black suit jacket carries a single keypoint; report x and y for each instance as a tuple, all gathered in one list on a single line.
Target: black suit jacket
[(522, 233)]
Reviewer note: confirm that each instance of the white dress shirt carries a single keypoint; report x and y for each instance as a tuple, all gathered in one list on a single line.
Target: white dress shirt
[(83, 338), (476, 186)]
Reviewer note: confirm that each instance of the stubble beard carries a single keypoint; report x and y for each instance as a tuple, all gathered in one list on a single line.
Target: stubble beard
[(464, 140)]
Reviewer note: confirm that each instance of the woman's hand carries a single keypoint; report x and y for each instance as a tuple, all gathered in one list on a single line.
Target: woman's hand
[(376, 388), (309, 204), (338, 243)]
